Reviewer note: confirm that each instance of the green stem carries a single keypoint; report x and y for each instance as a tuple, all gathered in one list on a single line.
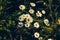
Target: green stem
[(20, 37), (20, 34), (10, 36)]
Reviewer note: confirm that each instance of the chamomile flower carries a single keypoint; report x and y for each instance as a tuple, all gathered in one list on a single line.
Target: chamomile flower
[(29, 20), (36, 25), (32, 4), (21, 18), (43, 12), (50, 39), (23, 15), (20, 24), (38, 14), (46, 21), (40, 38), (27, 25), (36, 35), (31, 11), (27, 15), (22, 7)]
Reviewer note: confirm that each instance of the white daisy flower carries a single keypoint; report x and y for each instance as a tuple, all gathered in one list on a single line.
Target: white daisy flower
[(50, 39), (32, 4), (46, 21), (29, 20), (43, 12), (36, 25), (36, 35), (21, 18), (23, 15), (31, 11), (20, 24), (27, 15), (27, 25), (44, 3), (22, 7), (40, 38), (38, 14)]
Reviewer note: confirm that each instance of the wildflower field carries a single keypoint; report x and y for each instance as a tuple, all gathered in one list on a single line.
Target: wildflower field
[(29, 19)]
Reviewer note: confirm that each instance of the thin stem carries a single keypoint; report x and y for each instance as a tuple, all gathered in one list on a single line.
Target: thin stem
[(20, 37), (20, 34), (10, 36)]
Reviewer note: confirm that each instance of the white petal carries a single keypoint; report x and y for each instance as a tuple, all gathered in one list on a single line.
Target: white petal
[(31, 11), (46, 21), (50, 39), (20, 24), (33, 4), (36, 25), (36, 35), (27, 25), (22, 7), (43, 12), (38, 14)]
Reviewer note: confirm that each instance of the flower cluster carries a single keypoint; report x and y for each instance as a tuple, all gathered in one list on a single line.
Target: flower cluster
[(26, 17), (29, 19)]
